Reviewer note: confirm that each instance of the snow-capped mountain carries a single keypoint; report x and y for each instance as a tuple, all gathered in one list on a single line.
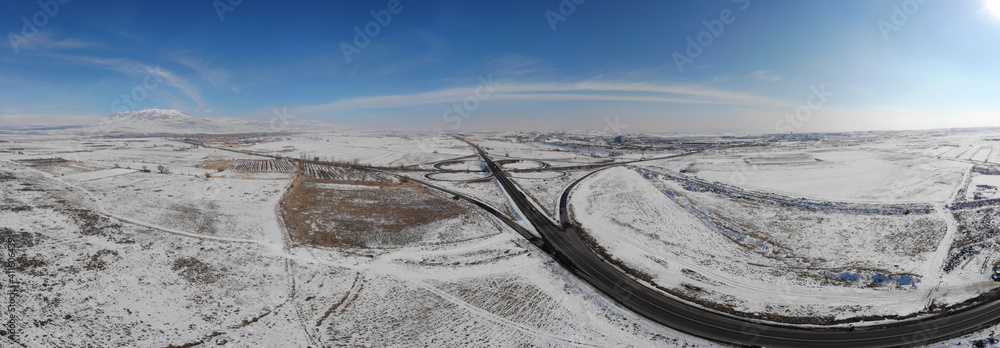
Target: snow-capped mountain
[(154, 121)]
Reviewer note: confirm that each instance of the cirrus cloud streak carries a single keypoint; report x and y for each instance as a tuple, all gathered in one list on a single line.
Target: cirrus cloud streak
[(583, 91)]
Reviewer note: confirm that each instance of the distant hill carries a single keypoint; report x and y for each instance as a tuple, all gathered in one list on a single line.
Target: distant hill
[(155, 121)]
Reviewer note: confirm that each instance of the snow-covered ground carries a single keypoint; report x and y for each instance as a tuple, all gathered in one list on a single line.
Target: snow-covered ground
[(378, 149), (119, 256), (766, 260), (546, 187), (475, 185), (522, 165), (107, 264), (221, 207), (833, 174), (89, 279), (983, 187)]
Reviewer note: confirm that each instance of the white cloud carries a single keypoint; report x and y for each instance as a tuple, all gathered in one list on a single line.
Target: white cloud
[(764, 75), (45, 40), (180, 83), (137, 70), (216, 76), (584, 91)]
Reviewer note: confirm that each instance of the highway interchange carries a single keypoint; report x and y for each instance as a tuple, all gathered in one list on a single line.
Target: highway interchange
[(567, 246)]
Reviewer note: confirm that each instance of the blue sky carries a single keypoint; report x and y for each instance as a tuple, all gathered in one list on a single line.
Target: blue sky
[(772, 66)]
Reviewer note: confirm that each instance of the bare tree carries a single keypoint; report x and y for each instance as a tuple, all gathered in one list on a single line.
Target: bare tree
[(162, 169)]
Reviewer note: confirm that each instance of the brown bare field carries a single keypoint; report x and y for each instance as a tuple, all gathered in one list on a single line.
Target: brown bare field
[(216, 164), (366, 214)]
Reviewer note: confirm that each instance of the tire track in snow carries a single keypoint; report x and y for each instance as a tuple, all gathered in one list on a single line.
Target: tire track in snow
[(935, 266)]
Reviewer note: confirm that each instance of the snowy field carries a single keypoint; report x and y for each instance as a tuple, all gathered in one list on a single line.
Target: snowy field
[(116, 252), (832, 174), (522, 165), (371, 148), (501, 147), (220, 207), (659, 235), (469, 164), (88, 278), (546, 187), (964, 145), (983, 187)]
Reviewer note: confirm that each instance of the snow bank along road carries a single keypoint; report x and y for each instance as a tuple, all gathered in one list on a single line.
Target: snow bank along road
[(569, 248)]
